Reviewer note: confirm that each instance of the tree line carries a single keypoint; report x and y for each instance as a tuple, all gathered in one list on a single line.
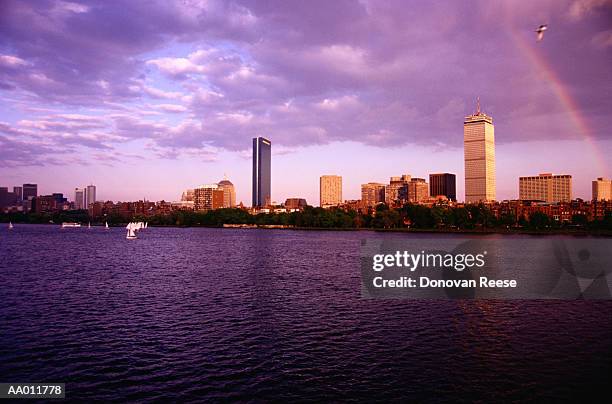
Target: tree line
[(470, 217)]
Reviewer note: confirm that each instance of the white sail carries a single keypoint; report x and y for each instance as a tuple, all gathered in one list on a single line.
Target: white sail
[(106, 224), (131, 234), (11, 225)]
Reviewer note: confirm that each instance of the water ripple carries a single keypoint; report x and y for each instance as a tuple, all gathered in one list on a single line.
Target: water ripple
[(221, 314)]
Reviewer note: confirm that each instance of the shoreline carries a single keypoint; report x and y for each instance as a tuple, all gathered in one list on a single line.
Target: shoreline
[(488, 231)]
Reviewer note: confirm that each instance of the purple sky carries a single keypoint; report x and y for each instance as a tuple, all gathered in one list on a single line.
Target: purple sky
[(145, 99)]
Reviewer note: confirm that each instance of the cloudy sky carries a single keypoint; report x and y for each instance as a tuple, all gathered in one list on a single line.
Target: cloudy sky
[(145, 98)]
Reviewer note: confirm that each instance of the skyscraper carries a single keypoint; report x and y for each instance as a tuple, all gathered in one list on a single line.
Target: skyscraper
[(418, 190), (443, 185), (18, 191), (602, 189), (79, 198), (330, 190), (90, 195), (7, 198), (30, 191), (479, 156), (372, 193), (229, 193), (262, 172), (396, 193), (546, 187)]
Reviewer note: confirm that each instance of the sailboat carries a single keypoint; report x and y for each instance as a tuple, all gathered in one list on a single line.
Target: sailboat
[(131, 231), (89, 225), (106, 225), (11, 226), (146, 225)]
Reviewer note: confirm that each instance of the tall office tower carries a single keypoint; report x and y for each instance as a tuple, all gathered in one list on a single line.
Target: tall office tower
[(208, 197), (229, 193), (546, 187), (394, 192), (602, 189), (443, 185), (372, 193), (79, 198), (18, 191), (30, 191), (479, 157), (90, 195), (330, 191), (262, 172), (418, 190)]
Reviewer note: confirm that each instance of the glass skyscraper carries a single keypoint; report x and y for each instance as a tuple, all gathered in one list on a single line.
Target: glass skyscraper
[(90, 195), (262, 171)]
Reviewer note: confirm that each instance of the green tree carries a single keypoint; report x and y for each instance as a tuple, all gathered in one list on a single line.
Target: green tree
[(539, 221)]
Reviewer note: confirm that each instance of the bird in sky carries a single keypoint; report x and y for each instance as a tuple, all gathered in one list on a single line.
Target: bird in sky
[(540, 31)]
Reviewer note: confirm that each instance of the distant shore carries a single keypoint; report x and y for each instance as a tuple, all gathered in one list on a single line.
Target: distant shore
[(481, 231), (577, 232)]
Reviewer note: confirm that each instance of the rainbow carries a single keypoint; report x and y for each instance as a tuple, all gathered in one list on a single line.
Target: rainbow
[(570, 105)]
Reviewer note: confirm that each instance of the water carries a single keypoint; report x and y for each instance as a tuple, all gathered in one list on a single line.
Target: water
[(260, 315)]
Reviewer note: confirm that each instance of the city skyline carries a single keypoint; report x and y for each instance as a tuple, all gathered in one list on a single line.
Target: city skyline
[(258, 160), (159, 108)]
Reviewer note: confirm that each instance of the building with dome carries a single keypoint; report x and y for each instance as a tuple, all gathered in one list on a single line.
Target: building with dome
[(229, 193)]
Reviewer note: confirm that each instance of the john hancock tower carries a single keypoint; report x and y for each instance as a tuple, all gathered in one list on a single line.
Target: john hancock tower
[(262, 170)]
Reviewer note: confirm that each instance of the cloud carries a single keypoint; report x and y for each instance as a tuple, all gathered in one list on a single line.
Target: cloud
[(176, 66), (602, 40), (161, 94), (26, 153), (12, 61), (581, 8), (171, 108), (210, 75)]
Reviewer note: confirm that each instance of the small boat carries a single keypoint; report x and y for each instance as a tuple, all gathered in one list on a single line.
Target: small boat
[(89, 225), (70, 224), (146, 225), (131, 231), (106, 225), (11, 226)]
